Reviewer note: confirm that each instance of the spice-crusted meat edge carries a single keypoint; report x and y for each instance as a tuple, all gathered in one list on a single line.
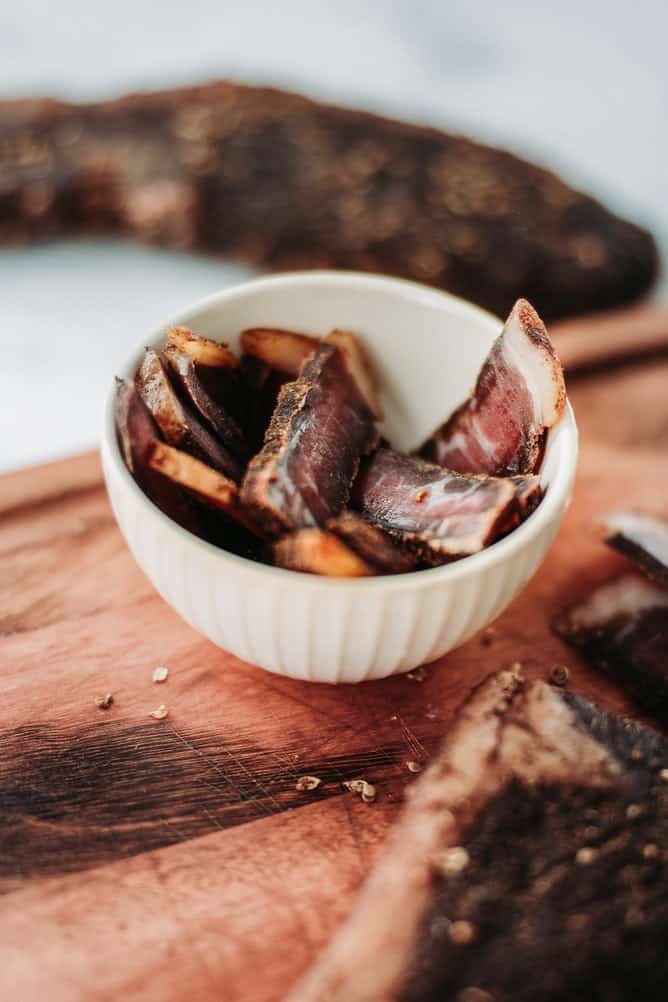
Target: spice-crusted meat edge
[(371, 543), (508, 731), (180, 425), (292, 399), (621, 628)]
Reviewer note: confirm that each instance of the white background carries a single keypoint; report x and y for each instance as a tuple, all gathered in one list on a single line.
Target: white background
[(582, 87)]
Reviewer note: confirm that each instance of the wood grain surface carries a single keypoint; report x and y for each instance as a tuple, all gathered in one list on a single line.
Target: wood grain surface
[(168, 859)]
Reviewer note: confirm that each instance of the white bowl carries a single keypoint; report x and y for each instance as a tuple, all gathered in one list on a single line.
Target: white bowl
[(426, 347)]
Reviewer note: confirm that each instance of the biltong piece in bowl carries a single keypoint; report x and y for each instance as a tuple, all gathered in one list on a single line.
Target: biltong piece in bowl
[(530, 864), (138, 433), (189, 491), (179, 425), (282, 350), (373, 545), (315, 551), (320, 429), (437, 514), (306, 410), (520, 394), (211, 390), (349, 546)]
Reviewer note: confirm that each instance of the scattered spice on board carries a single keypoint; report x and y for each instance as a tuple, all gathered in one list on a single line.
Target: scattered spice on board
[(160, 673), (559, 675), (414, 766), (307, 783), (159, 713), (366, 790), (104, 702)]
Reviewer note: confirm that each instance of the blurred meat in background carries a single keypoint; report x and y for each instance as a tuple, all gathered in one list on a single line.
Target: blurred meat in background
[(251, 175)]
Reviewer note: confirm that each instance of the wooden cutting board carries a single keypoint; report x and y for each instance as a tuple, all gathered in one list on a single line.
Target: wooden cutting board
[(168, 859)]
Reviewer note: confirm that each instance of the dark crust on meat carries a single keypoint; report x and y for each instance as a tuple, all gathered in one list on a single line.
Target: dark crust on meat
[(274, 178), (560, 880), (372, 544), (650, 566), (640, 543), (594, 931), (137, 433), (292, 399), (529, 864), (190, 378), (179, 425), (528, 495), (631, 649)]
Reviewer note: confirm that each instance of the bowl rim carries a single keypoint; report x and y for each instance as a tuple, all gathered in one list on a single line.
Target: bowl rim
[(564, 437)]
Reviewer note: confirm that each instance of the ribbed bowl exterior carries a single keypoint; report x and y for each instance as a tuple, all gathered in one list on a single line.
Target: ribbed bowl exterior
[(336, 630)]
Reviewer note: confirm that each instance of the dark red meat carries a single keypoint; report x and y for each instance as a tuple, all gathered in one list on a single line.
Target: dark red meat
[(320, 429)]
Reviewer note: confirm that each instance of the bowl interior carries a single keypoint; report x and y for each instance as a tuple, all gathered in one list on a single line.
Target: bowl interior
[(425, 347)]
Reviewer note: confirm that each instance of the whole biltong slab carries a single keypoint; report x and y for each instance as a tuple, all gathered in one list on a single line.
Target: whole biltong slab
[(273, 178), (530, 864)]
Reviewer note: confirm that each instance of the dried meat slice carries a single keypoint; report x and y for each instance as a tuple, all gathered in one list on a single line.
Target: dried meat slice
[(207, 353), (218, 369), (520, 393), (315, 551), (320, 429), (641, 538), (221, 517), (285, 351), (529, 864), (622, 628), (528, 494), (180, 427), (359, 367), (192, 379), (370, 543), (437, 514), (137, 435)]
